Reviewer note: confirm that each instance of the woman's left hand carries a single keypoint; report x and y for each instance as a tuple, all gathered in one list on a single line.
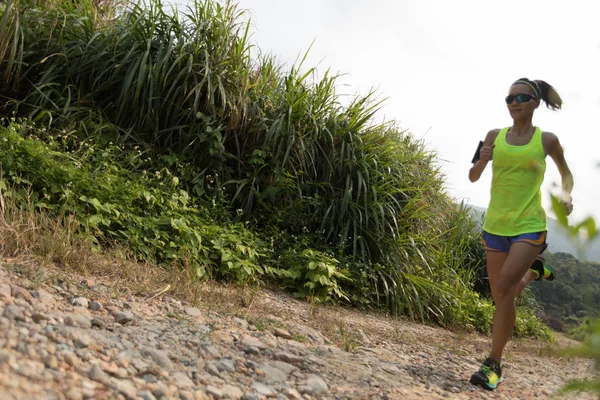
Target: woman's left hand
[(567, 201)]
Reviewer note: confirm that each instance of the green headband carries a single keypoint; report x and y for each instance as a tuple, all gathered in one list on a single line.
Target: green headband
[(535, 90)]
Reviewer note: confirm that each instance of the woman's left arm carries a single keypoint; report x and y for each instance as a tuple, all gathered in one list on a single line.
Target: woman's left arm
[(555, 151)]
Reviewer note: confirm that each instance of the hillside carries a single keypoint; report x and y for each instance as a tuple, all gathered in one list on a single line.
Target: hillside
[(68, 335), (558, 240)]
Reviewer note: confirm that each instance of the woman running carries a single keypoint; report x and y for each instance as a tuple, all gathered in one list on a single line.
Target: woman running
[(515, 223)]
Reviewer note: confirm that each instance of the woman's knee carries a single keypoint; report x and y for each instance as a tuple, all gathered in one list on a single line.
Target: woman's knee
[(505, 288)]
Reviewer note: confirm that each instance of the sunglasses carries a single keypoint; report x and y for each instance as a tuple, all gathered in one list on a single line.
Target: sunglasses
[(520, 98)]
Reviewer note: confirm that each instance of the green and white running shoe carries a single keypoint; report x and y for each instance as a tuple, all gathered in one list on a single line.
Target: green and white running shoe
[(543, 270), (489, 375)]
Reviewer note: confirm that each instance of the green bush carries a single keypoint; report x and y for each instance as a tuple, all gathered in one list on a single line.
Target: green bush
[(472, 312), (584, 330), (527, 324), (590, 348), (147, 211), (313, 273)]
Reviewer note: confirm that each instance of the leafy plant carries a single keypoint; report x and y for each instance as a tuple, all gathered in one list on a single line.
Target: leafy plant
[(591, 347), (314, 274), (584, 331)]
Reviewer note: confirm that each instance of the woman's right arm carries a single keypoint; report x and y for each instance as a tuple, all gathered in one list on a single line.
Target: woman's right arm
[(484, 157)]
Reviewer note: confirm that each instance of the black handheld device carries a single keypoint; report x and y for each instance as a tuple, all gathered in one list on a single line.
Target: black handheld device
[(476, 156)]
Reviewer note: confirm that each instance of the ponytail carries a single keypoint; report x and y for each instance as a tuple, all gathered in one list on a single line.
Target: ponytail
[(549, 95), (543, 91)]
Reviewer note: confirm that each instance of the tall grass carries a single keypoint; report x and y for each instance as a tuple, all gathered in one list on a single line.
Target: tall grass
[(276, 146), (24, 230)]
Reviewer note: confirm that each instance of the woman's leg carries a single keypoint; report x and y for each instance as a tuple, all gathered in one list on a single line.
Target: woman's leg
[(520, 257), (529, 276), (494, 261)]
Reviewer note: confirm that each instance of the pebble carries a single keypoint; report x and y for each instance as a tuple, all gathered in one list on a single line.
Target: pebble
[(212, 369), (95, 306), (123, 317), (454, 389), (161, 390), (124, 359), (282, 333), (263, 389), (96, 374), (214, 391), (79, 321), (82, 341), (43, 297), (20, 293), (145, 395), (39, 317), (182, 380), (282, 366), (232, 392), (50, 361), (5, 290), (89, 283), (6, 359), (251, 350), (159, 357), (149, 378), (213, 351), (79, 302), (200, 395), (288, 358), (314, 385), (70, 358), (98, 323), (292, 393), (250, 341), (29, 368), (225, 365), (273, 375), (186, 395), (14, 313), (125, 387), (110, 368), (193, 312)]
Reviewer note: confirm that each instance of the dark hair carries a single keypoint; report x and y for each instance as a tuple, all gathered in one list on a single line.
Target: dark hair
[(544, 91)]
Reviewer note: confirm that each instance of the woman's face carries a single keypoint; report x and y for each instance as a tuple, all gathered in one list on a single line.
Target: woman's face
[(521, 101)]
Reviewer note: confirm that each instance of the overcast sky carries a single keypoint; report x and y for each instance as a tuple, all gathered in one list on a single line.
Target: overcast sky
[(446, 67)]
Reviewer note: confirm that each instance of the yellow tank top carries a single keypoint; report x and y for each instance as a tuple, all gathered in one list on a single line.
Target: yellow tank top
[(516, 199)]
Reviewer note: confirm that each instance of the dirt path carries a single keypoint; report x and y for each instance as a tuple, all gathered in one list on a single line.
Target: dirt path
[(74, 337)]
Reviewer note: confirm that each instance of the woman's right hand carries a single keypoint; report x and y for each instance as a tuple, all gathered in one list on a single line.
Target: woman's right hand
[(485, 155), (487, 152)]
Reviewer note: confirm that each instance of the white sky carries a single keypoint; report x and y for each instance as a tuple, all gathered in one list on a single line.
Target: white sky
[(445, 67)]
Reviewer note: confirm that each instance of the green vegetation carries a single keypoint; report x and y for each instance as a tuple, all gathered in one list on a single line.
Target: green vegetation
[(163, 133), (590, 348), (581, 234)]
